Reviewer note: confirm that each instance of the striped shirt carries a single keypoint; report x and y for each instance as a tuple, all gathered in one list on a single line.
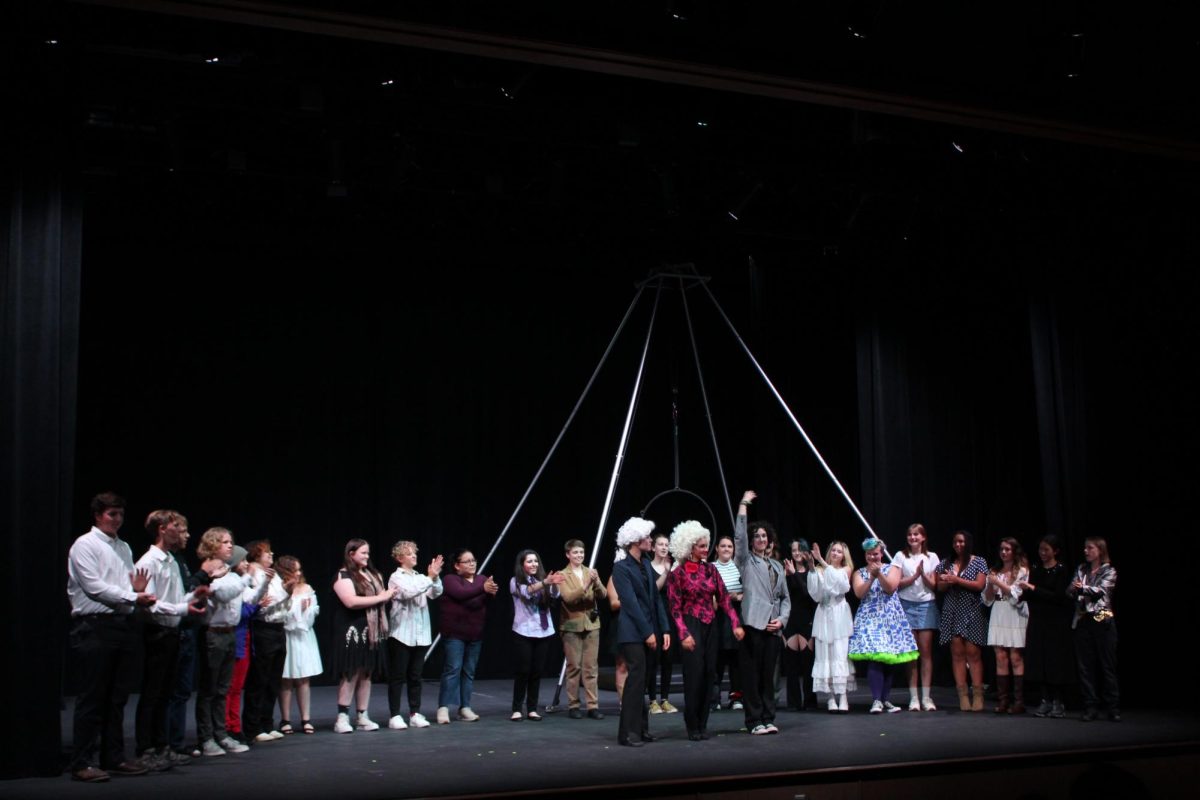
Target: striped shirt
[(730, 575)]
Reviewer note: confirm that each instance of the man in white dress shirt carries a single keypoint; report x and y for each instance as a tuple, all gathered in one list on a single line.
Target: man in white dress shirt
[(169, 531), (106, 641)]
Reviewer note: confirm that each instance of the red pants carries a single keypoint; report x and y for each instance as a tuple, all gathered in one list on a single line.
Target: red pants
[(233, 700)]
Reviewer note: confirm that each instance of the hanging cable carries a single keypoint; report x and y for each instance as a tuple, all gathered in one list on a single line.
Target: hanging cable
[(637, 388), (687, 314), (570, 418), (788, 411)]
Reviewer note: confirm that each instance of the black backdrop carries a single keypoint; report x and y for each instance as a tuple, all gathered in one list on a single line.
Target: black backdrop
[(264, 354)]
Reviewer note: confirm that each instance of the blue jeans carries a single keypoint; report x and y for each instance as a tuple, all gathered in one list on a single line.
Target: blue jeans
[(458, 675)]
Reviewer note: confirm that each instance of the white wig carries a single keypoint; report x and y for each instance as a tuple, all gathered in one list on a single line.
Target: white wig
[(684, 536), (634, 530)]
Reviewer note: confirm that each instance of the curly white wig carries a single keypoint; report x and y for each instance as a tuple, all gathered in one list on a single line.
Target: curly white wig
[(684, 536), (633, 530)]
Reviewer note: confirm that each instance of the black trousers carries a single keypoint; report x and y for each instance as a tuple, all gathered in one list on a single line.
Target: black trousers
[(1096, 655), (660, 665), (160, 663), (405, 663), (758, 655), (215, 654), (106, 651), (263, 679), (527, 681), (635, 712), (699, 672)]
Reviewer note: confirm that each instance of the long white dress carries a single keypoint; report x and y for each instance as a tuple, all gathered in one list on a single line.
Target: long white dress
[(303, 658), (832, 626), (1010, 616)]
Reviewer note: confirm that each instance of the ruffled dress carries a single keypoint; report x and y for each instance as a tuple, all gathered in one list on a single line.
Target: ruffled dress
[(832, 625), (303, 658), (1010, 616)]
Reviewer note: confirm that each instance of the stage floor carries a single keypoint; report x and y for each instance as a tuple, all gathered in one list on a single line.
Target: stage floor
[(814, 749)]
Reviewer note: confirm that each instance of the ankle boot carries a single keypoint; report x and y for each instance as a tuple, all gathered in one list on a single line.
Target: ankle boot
[(977, 698), (964, 703), (1018, 703), (1003, 682)]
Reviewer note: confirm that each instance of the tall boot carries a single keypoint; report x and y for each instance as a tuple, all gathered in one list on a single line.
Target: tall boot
[(1018, 704), (1003, 683), (977, 698), (964, 702)]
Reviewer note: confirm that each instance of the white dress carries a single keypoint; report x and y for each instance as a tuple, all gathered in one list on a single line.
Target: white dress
[(832, 626), (303, 658), (1010, 615)]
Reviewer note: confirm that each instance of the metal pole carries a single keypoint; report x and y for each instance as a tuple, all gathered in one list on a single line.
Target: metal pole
[(788, 411), (687, 315), (554, 447), (616, 472)]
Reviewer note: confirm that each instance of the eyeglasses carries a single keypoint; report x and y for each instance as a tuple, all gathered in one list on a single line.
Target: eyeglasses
[(466, 561)]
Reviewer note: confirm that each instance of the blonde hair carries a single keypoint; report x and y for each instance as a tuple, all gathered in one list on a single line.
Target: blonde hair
[(404, 544), (211, 540), (847, 559)]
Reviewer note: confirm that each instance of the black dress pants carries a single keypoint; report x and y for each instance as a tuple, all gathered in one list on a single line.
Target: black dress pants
[(699, 672), (1096, 654), (263, 679), (106, 650), (758, 654), (160, 664)]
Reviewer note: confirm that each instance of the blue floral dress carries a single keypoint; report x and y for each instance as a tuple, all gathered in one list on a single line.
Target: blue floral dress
[(881, 630)]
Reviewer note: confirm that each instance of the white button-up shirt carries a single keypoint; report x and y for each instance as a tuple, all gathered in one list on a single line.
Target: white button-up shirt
[(98, 570), (166, 584), (409, 614)]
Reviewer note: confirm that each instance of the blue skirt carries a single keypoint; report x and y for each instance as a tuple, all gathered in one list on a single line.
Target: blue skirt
[(922, 616)]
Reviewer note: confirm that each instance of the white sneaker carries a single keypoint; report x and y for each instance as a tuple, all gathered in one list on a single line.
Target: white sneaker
[(211, 748), (832, 705), (465, 714), (876, 707), (232, 745), (759, 730), (889, 708), (843, 704), (343, 724), (914, 704), (364, 723), (927, 705), (418, 721), (397, 723), (265, 737), (277, 734)]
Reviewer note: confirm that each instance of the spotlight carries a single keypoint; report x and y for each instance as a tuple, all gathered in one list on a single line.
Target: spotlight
[(212, 60), (388, 82)]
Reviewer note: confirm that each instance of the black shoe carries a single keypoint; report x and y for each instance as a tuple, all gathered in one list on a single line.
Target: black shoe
[(714, 706), (629, 743), (1114, 716), (575, 713), (1089, 715), (648, 738), (595, 713), (1044, 709), (128, 768), (694, 737)]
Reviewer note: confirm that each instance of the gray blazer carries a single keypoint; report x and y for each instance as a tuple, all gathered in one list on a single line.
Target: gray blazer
[(764, 583)]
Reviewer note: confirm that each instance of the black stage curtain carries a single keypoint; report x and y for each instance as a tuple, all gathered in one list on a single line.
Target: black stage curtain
[(39, 350)]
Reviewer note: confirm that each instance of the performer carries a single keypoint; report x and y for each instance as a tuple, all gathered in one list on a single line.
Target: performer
[(642, 620), (1049, 657), (828, 585), (765, 609), (269, 642), (727, 645), (881, 635), (693, 590), (410, 631), (1096, 630), (961, 579), (661, 661), (579, 624), (303, 659), (532, 590), (360, 625), (1006, 628), (225, 565), (918, 595), (169, 532), (106, 640), (798, 654), (464, 609)]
